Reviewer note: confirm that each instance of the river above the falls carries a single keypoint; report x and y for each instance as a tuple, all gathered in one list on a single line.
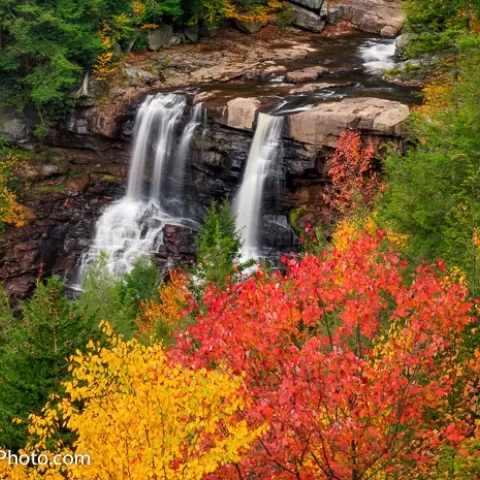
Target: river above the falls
[(356, 66)]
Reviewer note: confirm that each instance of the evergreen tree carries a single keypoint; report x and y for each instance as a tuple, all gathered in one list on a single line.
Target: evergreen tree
[(218, 245), (33, 361)]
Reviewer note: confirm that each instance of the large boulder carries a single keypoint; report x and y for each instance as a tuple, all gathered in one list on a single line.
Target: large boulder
[(17, 127), (375, 16), (160, 38), (306, 19), (191, 33), (138, 77), (241, 112), (322, 126), (249, 27)]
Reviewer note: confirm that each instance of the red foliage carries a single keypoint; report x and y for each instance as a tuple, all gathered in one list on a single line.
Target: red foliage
[(342, 358), (354, 182)]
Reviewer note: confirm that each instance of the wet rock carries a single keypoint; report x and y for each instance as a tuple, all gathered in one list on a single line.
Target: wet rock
[(241, 112), (313, 87), (306, 75), (160, 37), (272, 72), (401, 44), (323, 125), (249, 27), (306, 19)]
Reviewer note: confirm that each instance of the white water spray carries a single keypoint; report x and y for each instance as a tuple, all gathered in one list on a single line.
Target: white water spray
[(133, 226), (248, 202), (378, 56)]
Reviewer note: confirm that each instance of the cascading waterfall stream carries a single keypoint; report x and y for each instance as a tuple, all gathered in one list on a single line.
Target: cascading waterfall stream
[(133, 226), (378, 56), (248, 202)]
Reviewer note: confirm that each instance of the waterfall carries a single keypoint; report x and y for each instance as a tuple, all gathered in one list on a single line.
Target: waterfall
[(248, 202), (378, 55), (133, 226)]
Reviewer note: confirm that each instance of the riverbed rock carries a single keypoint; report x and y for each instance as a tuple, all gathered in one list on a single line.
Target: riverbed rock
[(306, 19), (313, 87), (160, 37), (323, 125), (306, 75), (241, 112), (272, 72)]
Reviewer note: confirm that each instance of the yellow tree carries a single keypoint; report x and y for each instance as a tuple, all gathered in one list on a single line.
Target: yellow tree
[(138, 416)]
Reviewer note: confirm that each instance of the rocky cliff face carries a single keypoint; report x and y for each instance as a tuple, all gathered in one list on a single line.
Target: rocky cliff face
[(68, 200)]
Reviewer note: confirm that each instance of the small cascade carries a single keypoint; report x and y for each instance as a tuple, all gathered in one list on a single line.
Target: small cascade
[(248, 202), (378, 55), (133, 226)]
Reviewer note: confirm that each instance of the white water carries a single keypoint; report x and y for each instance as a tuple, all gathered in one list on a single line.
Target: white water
[(378, 56), (248, 202), (133, 226)]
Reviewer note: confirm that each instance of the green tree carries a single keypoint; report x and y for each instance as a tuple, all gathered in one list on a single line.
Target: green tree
[(218, 245), (117, 299), (33, 362), (433, 191)]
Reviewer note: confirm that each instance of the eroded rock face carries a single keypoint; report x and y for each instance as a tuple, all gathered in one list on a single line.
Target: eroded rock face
[(323, 125), (77, 189)]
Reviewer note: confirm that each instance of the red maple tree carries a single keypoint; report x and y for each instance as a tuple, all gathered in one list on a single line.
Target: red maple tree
[(354, 182), (351, 365)]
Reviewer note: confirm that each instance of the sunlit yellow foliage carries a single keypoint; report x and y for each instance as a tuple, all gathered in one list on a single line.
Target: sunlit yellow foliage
[(11, 211), (350, 229), (104, 65), (257, 14), (173, 296), (138, 7), (139, 415), (437, 94)]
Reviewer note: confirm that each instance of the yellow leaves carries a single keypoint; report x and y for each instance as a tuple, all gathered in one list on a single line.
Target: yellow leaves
[(437, 94), (11, 211), (350, 229), (144, 416), (256, 14), (104, 65), (138, 8)]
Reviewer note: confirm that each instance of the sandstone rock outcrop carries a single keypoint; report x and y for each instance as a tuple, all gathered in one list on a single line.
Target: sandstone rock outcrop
[(384, 17), (323, 125), (241, 112), (306, 75)]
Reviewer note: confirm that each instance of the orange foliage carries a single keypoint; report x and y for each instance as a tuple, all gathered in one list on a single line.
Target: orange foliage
[(437, 94), (173, 297)]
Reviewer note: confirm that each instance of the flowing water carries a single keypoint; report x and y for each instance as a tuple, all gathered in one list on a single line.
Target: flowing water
[(248, 202), (133, 226), (378, 56)]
